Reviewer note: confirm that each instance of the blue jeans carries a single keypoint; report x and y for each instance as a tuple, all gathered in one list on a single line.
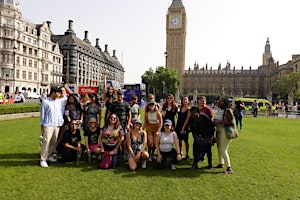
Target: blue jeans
[(239, 119)]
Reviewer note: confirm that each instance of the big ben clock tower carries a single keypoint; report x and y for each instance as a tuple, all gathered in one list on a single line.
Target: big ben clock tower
[(176, 34)]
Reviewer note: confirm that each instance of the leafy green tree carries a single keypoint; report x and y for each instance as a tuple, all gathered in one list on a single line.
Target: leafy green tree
[(161, 82), (287, 84)]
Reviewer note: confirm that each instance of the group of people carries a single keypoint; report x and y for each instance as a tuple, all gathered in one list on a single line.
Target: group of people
[(123, 133)]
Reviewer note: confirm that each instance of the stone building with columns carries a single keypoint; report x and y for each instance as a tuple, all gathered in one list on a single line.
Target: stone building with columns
[(29, 59), (85, 64), (33, 58)]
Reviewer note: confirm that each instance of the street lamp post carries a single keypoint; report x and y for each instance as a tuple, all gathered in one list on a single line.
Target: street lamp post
[(233, 94), (164, 81), (166, 55)]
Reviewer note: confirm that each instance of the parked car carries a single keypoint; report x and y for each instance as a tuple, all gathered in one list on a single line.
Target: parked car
[(33, 95)]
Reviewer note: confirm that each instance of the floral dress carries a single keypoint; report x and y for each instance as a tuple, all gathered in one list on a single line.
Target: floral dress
[(136, 145)]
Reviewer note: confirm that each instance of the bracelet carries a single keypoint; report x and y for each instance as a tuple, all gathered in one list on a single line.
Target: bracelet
[(178, 153)]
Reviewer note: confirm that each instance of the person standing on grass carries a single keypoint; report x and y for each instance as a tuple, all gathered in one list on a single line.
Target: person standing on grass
[(51, 119), (224, 117), (63, 101), (203, 132), (255, 108), (165, 142), (92, 109), (134, 108), (169, 110), (153, 124), (182, 128), (136, 143), (238, 113), (70, 147), (122, 109), (109, 94), (91, 138), (73, 110)]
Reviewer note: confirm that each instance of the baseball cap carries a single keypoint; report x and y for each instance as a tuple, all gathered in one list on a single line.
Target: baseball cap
[(138, 121), (168, 122), (120, 92)]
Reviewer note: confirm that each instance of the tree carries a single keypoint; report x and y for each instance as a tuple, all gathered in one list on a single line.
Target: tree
[(161, 82), (287, 84)]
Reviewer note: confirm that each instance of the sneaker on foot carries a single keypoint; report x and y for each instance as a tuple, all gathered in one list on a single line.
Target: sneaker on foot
[(43, 163), (228, 171), (173, 166), (144, 164), (195, 166), (186, 158), (51, 159), (77, 162), (150, 159), (219, 166)]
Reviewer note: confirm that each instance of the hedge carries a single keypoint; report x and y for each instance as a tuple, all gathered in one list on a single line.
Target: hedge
[(19, 108)]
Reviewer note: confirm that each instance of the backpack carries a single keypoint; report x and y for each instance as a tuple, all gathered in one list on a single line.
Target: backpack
[(106, 161)]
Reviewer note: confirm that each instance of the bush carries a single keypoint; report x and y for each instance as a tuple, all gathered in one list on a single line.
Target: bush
[(19, 108)]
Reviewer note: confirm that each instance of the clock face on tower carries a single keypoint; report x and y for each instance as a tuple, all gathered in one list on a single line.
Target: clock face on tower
[(175, 21)]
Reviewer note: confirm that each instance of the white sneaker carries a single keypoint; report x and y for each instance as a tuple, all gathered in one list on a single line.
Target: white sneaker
[(43, 163), (150, 159), (51, 159), (173, 166), (144, 164)]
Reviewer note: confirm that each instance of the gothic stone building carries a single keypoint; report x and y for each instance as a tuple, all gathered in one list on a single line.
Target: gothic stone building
[(238, 82)]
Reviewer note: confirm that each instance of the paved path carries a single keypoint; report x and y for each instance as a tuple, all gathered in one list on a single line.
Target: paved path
[(18, 116)]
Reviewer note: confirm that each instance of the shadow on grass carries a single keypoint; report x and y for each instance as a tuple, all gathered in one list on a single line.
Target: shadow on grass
[(183, 167), (19, 159)]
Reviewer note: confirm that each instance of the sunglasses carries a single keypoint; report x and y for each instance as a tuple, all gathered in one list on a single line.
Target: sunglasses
[(73, 124), (113, 118), (92, 122)]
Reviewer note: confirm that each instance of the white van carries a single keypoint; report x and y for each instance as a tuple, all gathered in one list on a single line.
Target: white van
[(33, 95)]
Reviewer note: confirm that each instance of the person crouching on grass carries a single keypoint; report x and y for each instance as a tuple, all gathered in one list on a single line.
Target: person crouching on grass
[(91, 138), (111, 137), (164, 143), (136, 140), (70, 147)]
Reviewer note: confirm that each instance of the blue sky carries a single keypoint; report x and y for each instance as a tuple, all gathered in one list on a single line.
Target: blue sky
[(217, 30)]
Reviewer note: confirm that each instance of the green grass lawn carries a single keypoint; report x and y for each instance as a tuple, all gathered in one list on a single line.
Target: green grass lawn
[(265, 159)]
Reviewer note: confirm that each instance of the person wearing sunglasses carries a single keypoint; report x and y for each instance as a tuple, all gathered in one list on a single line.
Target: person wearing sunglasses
[(111, 137), (91, 138), (70, 146), (169, 110)]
